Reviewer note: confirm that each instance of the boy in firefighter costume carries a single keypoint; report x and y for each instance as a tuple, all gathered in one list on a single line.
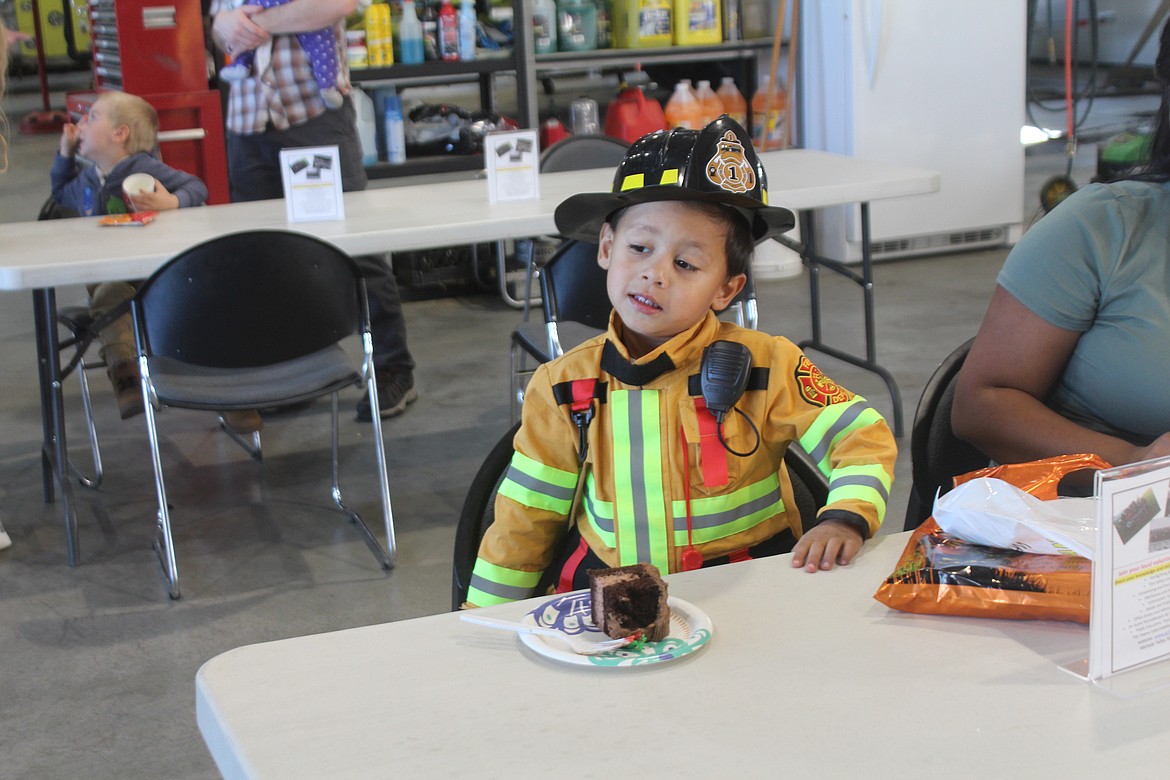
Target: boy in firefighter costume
[(629, 450)]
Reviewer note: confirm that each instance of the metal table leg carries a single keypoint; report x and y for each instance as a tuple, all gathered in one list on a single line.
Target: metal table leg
[(865, 280), (54, 455)]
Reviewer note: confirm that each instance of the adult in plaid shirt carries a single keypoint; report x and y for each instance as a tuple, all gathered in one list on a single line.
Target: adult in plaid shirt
[(280, 106)]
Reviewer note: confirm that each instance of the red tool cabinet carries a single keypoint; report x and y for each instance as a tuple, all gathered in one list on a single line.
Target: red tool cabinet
[(155, 50)]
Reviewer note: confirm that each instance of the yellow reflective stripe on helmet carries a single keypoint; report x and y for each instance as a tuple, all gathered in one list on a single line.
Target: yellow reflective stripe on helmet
[(536, 485), (492, 584), (640, 506), (834, 422), (764, 196), (669, 176), (716, 517), (634, 181), (868, 483)]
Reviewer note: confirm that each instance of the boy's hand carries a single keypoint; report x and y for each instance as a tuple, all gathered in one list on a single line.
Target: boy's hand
[(827, 543), (70, 138), (159, 200)]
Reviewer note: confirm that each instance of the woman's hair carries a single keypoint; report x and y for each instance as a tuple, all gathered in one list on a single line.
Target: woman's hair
[(136, 114), (739, 244), (1157, 168)]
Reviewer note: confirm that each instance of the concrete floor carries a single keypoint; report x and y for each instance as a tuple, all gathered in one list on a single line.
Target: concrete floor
[(98, 665)]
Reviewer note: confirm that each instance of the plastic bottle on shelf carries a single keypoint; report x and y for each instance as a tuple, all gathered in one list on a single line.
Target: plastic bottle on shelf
[(410, 37), (697, 22), (604, 23), (734, 103), (709, 102), (430, 30), (771, 132), (544, 26), (395, 129), (448, 32), (467, 30), (576, 25), (682, 110), (642, 24)]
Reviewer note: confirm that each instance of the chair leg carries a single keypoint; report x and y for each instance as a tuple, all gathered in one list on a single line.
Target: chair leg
[(164, 541), (250, 443), (91, 431), (386, 556)]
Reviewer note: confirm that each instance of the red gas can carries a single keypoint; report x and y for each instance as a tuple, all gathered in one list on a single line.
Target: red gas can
[(632, 115)]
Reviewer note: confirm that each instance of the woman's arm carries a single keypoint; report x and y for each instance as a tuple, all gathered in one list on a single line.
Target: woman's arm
[(1000, 399)]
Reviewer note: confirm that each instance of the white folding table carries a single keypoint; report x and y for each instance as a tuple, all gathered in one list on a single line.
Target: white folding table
[(41, 256), (805, 675)]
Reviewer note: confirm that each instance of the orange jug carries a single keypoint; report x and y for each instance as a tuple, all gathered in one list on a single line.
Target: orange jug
[(734, 104), (683, 110), (711, 107), (770, 133)]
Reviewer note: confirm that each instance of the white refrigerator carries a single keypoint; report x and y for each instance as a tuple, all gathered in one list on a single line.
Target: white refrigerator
[(934, 84)]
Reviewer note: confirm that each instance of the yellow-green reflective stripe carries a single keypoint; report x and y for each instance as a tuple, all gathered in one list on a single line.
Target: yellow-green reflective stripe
[(640, 506), (494, 584), (715, 517), (669, 176), (599, 514), (536, 485), (836, 421), (633, 181), (870, 484)]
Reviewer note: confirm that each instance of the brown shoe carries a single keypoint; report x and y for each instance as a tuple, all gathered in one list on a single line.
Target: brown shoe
[(243, 422), (127, 387)]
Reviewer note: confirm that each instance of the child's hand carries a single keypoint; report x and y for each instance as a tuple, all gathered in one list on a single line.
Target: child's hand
[(827, 543), (70, 138), (159, 200)]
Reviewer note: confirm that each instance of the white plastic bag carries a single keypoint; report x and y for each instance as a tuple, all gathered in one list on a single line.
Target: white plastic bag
[(992, 512)]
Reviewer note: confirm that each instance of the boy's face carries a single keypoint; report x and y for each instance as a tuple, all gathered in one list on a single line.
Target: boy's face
[(667, 266), (100, 139)]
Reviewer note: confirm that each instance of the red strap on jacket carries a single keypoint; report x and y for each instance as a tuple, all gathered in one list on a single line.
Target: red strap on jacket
[(712, 455), (569, 570)]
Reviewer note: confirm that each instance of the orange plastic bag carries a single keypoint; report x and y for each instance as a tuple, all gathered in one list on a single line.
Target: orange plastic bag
[(939, 574)]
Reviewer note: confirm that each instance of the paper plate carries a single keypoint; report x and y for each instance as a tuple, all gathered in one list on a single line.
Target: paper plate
[(690, 631)]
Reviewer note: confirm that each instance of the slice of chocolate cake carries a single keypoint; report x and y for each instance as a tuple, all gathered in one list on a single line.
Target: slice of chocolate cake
[(628, 600)]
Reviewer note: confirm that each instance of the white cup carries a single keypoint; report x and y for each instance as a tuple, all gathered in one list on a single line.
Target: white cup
[(135, 184)]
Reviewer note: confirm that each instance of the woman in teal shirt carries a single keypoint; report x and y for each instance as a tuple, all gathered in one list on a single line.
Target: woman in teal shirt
[(1074, 351)]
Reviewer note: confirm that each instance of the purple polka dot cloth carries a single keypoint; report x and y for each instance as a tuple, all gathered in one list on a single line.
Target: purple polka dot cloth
[(321, 47)]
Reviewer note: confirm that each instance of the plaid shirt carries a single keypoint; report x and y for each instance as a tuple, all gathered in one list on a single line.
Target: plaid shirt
[(286, 92)]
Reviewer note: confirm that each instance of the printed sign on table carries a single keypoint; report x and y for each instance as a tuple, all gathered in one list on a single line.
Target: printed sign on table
[(312, 183), (1130, 619), (512, 160)]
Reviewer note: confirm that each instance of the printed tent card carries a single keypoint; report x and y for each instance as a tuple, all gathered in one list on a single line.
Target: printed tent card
[(513, 165), (1129, 625), (312, 183)]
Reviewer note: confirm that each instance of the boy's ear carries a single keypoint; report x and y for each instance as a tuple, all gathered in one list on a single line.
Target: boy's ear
[(605, 246), (727, 292)]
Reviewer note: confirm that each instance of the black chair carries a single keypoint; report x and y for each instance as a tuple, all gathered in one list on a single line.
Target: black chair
[(809, 486), (576, 307), (936, 454), (249, 321)]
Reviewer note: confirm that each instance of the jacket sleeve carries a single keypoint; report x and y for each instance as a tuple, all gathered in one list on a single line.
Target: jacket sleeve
[(66, 184), (847, 438), (190, 190), (532, 504)]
